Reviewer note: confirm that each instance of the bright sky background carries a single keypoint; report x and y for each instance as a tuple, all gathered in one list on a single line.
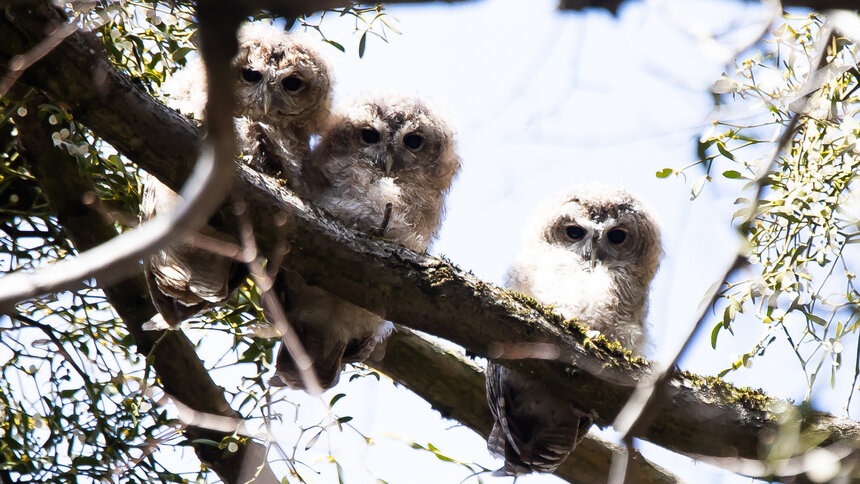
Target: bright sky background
[(544, 99)]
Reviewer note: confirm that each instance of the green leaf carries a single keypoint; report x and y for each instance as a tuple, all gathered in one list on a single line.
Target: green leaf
[(335, 398), (180, 53), (714, 333), (665, 172), (85, 461), (344, 419), (250, 354), (724, 151), (697, 187), (362, 44), (313, 440), (815, 319), (336, 45), (732, 174), (339, 472), (206, 441)]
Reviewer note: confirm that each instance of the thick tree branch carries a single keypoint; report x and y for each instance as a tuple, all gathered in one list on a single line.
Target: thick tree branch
[(454, 386), (181, 372), (422, 292)]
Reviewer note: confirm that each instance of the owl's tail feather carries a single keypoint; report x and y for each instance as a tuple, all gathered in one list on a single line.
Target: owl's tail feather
[(327, 360)]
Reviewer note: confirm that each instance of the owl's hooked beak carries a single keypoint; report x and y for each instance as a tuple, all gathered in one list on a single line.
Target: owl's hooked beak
[(385, 162), (593, 251), (267, 101)]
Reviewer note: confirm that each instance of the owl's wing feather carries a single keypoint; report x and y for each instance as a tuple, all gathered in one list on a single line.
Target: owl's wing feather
[(171, 309), (332, 331), (326, 355), (185, 281), (359, 349), (534, 430)]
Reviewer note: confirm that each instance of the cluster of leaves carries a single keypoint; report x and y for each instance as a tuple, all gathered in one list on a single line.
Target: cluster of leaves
[(800, 285), (373, 21), (146, 39), (151, 39), (75, 399)]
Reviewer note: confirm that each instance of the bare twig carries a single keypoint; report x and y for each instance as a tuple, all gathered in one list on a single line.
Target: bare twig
[(49, 332), (274, 309), (707, 42), (793, 466)]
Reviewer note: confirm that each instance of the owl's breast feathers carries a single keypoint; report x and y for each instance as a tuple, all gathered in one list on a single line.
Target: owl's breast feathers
[(358, 194), (607, 299)]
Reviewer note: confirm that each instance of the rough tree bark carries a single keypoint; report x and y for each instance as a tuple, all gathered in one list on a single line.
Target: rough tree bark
[(412, 289)]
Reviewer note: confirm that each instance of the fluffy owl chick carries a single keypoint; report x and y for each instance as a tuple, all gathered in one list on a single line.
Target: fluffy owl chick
[(386, 149), (283, 96), (379, 151), (590, 252)]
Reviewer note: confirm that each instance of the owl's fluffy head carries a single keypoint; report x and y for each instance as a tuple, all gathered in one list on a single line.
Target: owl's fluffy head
[(599, 224), (283, 79), (398, 135)]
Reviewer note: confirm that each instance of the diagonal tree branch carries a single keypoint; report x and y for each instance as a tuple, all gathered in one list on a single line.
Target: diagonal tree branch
[(434, 296)]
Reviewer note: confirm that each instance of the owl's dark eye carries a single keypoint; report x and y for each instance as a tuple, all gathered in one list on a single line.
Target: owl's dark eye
[(370, 136), (575, 232), (252, 76), (413, 141), (616, 236), (292, 83)]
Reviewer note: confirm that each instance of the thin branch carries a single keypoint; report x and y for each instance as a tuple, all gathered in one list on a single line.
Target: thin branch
[(49, 332), (274, 309)]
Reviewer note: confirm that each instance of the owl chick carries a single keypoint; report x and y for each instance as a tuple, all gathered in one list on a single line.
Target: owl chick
[(385, 151), (591, 253), (283, 96)]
